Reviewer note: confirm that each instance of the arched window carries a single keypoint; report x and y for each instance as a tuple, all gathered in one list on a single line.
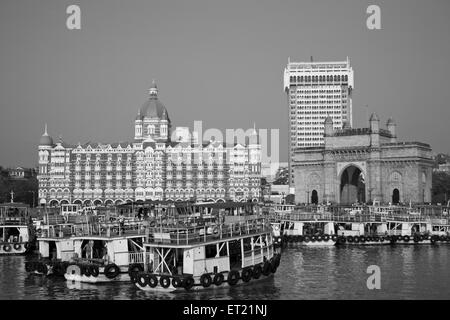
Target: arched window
[(395, 177)]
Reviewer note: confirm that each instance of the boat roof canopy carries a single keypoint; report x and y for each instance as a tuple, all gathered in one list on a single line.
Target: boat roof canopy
[(185, 204)]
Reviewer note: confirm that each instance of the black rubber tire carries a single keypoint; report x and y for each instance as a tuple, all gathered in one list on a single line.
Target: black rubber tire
[(164, 281), (313, 238), (277, 260), (350, 239), (218, 279), (6, 247), (257, 271), (319, 238), (326, 237), (85, 270), (152, 280), (94, 270), (306, 239), (406, 238), (176, 282), (17, 246), (135, 268), (362, 239), (266, 268), (188, 283), (112, 271), (334, 237), (233, 277), (141, 278), (246, 274), (356, 239), (206, 280)]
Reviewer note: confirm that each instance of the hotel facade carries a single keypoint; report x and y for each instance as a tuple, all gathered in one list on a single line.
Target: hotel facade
[(316, 90), (151, 167)]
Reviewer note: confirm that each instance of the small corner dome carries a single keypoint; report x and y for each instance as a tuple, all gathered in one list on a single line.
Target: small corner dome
[(374, 117), (46, 140), (328, 120), (390, 122)]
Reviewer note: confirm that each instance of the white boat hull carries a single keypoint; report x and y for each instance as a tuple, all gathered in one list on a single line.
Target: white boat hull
[(199, 287)]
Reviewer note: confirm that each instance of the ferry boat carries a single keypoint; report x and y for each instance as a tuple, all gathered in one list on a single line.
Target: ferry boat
[(16, 229), (235, 244), (89, 249), (306, 228)]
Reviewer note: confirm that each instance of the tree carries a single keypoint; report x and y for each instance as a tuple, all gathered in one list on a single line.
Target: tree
[(441, 187), (23, 190), (282, 176)]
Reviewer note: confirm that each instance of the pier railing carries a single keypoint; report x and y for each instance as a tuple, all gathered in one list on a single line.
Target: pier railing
[(97, 229), (361, 218), (13, 221), (192, 235)]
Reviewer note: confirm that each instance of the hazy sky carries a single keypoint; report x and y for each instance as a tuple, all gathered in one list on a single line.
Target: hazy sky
[(217, 61)]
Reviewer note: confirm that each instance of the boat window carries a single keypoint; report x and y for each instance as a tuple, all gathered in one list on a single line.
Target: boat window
[(247, 244), (210, 251), (222, 249)]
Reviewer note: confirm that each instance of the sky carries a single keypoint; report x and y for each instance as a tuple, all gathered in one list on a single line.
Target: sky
[(221, 62)]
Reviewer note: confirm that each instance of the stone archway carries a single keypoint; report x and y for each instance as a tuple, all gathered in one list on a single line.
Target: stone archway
[(314, 197), (352, 186), (395, 196)]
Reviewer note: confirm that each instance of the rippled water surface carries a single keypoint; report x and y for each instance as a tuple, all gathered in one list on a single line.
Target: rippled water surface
[(407, 272)]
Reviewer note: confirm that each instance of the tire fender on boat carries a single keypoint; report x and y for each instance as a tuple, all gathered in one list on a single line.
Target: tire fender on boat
[(218, 279), (176, 282), (266, 268), (94, 270), (246, 274), (111, 271), (152, 280), (257, 270), (141, 279), (205, 280), (188, 283), (164, 281), (233, 277)]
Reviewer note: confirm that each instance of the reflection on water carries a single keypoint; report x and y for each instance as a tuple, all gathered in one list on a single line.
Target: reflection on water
[(407, 272)]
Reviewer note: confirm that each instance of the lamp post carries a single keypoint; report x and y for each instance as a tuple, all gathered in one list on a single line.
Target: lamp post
[(307, 197)]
